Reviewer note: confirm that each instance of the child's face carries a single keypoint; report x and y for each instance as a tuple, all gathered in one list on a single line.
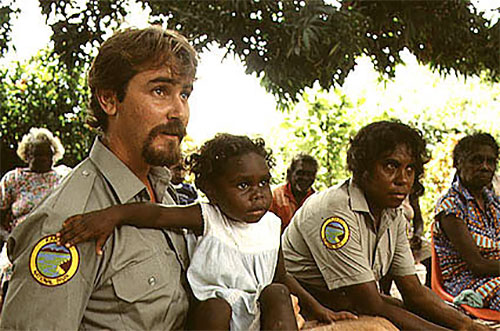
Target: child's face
[(242, 192)]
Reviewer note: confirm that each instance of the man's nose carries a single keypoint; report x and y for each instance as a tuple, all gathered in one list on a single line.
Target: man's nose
[(487, 165), (178, 108)]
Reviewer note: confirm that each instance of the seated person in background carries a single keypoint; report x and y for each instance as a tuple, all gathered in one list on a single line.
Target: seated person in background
[(344, 239), (186, 193), (22, 189), (467, 228), (236, 257), (287, 198), (420, 249)]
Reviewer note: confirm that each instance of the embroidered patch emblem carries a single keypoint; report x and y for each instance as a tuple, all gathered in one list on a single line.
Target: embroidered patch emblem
[(334, 233), (53, 265)]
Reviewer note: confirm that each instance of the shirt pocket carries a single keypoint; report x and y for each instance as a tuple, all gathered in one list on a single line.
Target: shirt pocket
[(146, 280)]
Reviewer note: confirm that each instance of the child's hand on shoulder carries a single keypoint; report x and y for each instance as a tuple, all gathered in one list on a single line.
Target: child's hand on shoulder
[(85, 227), (325, 315)]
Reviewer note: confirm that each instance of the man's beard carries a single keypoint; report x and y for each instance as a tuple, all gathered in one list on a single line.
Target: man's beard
[(172, 154)]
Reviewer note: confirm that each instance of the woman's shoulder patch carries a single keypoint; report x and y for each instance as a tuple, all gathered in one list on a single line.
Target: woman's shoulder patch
[(334, 233), (53, 265)]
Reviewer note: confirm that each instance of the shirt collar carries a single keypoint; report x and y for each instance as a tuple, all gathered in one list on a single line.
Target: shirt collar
[(123, 181), (358, 202), (357, 198)]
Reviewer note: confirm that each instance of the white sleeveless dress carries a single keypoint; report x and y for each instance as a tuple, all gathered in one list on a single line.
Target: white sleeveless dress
[(234, 261)]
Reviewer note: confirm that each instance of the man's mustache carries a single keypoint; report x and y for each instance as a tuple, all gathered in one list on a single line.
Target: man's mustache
[(172, 128)]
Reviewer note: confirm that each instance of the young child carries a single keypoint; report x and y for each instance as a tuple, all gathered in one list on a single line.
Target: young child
[(236, 260)]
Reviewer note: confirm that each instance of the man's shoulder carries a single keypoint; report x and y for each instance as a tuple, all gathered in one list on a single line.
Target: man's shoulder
[(65, 200), (71, 195)]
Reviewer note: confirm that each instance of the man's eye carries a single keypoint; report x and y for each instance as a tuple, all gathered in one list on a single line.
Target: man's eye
[(391, 166), (159, 91), (185, 95), (476, 159), (492, 161), (242, 186)]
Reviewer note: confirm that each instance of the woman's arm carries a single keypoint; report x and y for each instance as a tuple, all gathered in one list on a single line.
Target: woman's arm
[(459, 235), (422, 301), (100, 224), (311, 306)]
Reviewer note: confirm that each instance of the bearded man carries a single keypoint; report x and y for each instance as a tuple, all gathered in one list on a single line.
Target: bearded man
[(140, 83)]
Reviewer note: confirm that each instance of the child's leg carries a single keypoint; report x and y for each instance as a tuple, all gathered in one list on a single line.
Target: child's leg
[(276, 309), (212, 314)]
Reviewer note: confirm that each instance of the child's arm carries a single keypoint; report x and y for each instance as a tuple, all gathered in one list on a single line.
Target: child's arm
[(306, 300), (100, 224)]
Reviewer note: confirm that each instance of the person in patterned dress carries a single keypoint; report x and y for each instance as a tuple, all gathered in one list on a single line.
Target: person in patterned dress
[(467, 223), (22, 189)]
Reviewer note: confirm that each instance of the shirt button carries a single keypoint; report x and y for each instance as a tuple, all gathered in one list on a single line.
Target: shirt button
[(152, 281), (85, 173)]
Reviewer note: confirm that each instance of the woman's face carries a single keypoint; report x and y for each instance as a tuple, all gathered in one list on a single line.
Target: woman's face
[(40, 159), (476, 170), (391, 179)]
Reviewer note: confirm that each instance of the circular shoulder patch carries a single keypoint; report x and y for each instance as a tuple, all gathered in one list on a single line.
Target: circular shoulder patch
[(334, 233), (53, 265)]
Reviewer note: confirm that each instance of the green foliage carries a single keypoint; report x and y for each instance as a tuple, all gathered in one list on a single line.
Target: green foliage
[(6, 14), (322, 128), (293, 44), (43, 93)]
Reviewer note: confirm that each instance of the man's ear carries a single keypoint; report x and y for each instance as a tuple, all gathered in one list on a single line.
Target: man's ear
[(108, 101)]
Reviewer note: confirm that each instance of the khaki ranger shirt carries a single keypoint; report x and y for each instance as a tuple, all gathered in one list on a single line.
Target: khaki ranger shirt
[(136, 284), (332, 243)]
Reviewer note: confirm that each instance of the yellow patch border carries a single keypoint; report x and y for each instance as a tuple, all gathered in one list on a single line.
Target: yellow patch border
[(344, 240), (53, 281)]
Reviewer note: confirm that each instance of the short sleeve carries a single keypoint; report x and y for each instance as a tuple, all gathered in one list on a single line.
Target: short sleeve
[(207, 213), (450, 205), (66, 296), (335, 244), (403, 263)]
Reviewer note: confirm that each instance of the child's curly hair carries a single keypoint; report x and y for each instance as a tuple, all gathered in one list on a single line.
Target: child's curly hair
[(211, 160)]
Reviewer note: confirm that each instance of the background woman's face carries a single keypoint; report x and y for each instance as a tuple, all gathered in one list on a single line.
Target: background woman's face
[(391, 179), (40, 159), (477, 169)]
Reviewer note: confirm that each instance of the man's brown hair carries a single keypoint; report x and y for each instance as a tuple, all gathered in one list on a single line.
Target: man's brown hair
[(127, 53)]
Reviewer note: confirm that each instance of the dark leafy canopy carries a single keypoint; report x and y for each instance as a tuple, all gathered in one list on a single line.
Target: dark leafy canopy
[(291, 44), (6, 14)]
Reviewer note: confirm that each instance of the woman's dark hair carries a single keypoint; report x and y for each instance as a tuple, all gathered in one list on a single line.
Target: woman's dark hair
[(467, 145), (211, 160), (376, 140)]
